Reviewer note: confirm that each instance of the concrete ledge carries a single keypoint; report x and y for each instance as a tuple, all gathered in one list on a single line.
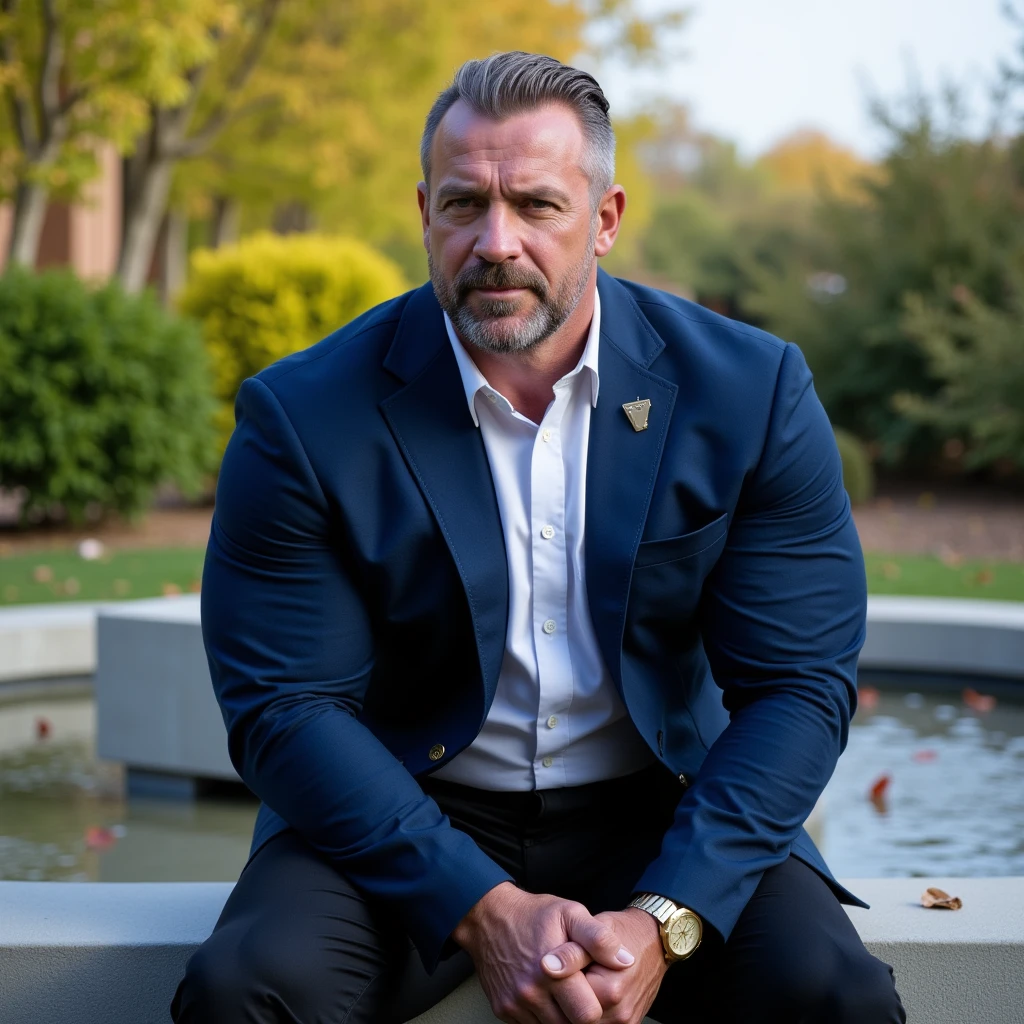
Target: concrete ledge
[(937, 634), (39, 641), (101, 953)]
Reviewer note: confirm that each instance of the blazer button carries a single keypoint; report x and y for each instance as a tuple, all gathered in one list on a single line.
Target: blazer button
[(436, 752), (683, 781)]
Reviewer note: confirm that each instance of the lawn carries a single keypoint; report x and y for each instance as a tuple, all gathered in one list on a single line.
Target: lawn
[(150, 572), (118, 574)]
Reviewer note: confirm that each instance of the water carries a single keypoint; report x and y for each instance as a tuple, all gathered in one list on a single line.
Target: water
[(954, 804)]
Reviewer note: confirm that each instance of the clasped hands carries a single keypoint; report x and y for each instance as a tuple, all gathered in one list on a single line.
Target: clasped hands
[(545, 960)]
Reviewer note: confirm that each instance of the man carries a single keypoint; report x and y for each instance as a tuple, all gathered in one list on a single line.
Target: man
[(533, 604)]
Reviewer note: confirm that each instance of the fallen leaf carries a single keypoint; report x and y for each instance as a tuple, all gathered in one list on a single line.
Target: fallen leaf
[(937, 899), (867, 697), (195, 586), (891, 571), (982, 702), (984, 577), (925, 756), (71, 586), (43, 728), (99, 838), (949, 557), (42, 574), (170, 589)]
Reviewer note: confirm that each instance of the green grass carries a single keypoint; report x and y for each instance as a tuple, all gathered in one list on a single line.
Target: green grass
[(63, 576), (927, 576), (151, 572)]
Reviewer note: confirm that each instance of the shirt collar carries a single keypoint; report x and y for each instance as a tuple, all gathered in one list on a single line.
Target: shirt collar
[(473, 381)]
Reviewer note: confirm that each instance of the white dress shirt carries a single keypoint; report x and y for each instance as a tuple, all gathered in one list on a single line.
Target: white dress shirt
[(556, 719)]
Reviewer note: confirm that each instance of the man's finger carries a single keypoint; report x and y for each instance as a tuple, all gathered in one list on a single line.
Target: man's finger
[(599, 940), (566, 959), (577, 999)]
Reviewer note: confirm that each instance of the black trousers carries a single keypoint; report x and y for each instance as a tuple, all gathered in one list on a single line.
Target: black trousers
[(297, 943)]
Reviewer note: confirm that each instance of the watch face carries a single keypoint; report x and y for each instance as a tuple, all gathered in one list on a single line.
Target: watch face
[(683, 932)]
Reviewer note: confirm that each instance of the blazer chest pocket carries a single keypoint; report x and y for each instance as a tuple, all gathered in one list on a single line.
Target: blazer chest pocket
[(657, 552)]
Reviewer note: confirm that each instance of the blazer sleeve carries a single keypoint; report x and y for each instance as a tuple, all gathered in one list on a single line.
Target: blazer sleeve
[(782, 621), (290, 645)]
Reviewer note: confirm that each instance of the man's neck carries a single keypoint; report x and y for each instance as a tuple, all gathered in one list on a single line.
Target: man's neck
[(526, 378)]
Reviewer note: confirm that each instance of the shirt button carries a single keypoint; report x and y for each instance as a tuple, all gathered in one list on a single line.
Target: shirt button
[(547, 532), (545, 434), (552, 722), (548, 762), (550, 626)]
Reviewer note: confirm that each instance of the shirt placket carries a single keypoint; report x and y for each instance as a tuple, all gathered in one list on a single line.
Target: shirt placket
[(550, 587)]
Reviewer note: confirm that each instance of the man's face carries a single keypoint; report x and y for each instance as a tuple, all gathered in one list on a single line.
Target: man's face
[(508, 224)]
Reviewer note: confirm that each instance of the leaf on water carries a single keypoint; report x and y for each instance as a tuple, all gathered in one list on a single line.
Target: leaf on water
[(924, 756), (42, 574), (43, 728), (99, 838), (937, 899), (982, 702), (867, 697), (878, 793)]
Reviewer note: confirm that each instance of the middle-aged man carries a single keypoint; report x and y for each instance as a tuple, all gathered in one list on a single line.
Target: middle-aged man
[(533, 605)]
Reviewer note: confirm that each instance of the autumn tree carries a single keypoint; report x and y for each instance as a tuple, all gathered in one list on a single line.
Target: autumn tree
[(76, 72)]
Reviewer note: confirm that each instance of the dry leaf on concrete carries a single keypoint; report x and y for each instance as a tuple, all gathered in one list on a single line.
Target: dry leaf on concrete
[(939, 900)]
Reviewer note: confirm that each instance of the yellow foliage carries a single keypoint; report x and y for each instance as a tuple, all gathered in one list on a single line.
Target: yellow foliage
[(269, 296), (808, 162)]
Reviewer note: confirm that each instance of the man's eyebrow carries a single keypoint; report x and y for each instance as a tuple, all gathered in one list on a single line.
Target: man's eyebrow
[(456, 190)]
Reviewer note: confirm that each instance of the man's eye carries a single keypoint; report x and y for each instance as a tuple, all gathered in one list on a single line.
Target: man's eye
[(462, 203), (539, 204)]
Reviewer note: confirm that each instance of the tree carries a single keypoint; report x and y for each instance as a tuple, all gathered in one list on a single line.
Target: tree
[(74, 73)]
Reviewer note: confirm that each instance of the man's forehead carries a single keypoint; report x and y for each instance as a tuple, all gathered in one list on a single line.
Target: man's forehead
[(533, 141)]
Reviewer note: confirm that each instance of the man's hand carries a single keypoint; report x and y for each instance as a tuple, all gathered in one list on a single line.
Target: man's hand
[(508, 931), (625, 997)]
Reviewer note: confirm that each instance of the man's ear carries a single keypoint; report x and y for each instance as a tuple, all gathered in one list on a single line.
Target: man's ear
[(609, 219), (423, 198)]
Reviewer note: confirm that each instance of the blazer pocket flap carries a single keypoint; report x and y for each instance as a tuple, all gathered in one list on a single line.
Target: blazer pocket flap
[(654, 552)]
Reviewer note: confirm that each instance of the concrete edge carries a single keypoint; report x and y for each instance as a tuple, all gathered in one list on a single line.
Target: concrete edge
[(906, 634)]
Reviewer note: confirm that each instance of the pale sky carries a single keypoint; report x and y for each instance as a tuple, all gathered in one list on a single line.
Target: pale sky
[(758, 69)]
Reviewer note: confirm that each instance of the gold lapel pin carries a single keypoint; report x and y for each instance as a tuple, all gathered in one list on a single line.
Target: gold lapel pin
[(637, 412)]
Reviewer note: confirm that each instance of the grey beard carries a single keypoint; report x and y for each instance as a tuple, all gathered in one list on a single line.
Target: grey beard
[(496, 331)]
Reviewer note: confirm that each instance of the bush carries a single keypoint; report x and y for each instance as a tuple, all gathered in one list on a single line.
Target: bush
[(103, 396), (269, 296), (858, 473)]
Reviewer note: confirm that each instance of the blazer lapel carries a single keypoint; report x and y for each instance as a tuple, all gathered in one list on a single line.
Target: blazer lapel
[(622, 463), (431, 423)]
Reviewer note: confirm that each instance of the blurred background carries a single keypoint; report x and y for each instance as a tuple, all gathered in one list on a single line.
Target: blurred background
[(191, 189)]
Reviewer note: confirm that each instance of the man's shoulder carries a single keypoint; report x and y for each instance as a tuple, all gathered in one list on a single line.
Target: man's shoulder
[(677, 320)]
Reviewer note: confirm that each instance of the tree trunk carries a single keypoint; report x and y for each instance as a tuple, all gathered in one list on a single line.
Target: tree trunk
[(27, 226), (142, 218), (224, 229), (175, 256)]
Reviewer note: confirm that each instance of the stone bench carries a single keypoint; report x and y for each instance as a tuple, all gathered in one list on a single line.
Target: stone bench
[(108, 953)]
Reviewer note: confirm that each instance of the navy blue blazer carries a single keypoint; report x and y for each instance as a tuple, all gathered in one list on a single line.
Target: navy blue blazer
[(355, 596)]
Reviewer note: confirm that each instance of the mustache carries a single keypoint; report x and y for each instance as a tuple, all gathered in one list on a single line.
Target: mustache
[(498, 275)]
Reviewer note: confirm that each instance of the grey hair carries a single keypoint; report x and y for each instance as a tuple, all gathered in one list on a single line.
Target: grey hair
[(510, 83)]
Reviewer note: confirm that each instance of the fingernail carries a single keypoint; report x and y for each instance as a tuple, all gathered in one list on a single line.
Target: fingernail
[(552, 963), (624, 956)]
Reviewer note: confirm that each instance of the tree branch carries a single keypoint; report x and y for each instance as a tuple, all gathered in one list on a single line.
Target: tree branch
[(222, 115), (49, 74), (195, 145)]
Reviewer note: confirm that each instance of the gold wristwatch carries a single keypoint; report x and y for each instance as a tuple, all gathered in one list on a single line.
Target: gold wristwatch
[(681, 928)]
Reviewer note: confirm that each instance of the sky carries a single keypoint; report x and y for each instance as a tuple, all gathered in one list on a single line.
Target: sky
[(755, 70)]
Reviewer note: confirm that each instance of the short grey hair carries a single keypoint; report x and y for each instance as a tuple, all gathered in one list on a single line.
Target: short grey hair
[(510, 83)]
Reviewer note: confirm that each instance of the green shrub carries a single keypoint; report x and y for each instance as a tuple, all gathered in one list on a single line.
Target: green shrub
[(858, 473), (103, 396), (269, 296)]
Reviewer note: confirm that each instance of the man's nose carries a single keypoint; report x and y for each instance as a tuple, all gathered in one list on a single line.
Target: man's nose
[(498, 238)]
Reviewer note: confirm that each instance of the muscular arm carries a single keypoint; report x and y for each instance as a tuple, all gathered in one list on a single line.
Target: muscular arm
[(782, 622), (290, 647)]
